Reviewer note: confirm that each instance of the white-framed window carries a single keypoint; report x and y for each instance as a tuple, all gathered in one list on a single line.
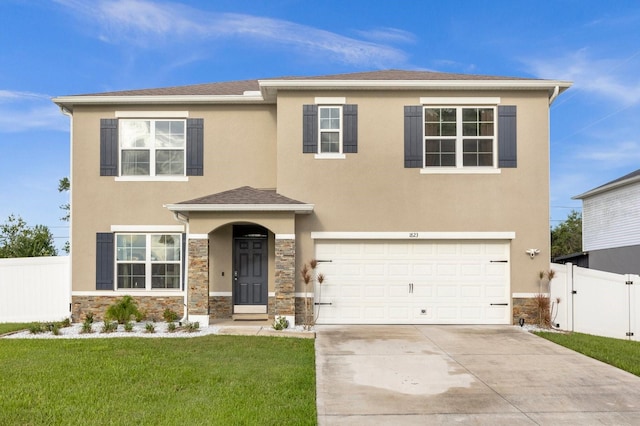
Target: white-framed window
[(152, 147), (148, 261), (460, 137), (330, 128)]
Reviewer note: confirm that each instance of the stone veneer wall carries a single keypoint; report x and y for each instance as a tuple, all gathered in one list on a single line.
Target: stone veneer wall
[(198, 277), (285, 265), (525, 308), (221, 307), (300, 311), (152, 306)]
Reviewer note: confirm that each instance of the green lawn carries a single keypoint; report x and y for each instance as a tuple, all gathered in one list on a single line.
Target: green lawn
[(227, 380), (7, 327), (624, 354)]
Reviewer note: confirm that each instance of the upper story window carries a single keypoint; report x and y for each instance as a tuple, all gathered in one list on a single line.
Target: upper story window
[(148, 261), (330, 129), (152, 147), (463, 135), (163, 147), (459, 137)]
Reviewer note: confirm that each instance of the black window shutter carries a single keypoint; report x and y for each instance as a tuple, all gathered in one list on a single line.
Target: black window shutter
[(108, 147), (310, 129), (195, 146), (350, 136), (184, 259), (413, 136), (507, 136), (104, 261)]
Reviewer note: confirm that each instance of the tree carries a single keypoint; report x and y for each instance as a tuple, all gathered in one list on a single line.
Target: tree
[(19, 240), (566, 237), (64, 185)]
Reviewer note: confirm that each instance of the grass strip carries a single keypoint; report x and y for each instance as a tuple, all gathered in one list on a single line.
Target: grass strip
[(624, 354), (241, 380), (8, 327)]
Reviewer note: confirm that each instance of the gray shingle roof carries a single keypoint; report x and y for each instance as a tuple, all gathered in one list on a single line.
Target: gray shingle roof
[(629, 178), (244, 195), (239, 87)]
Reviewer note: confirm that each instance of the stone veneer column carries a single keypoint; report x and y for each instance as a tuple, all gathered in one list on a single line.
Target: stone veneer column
[(198, 280), (285, 265)]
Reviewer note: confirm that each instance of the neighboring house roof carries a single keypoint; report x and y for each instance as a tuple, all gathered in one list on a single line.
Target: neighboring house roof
[(265, 90), (627, 179), (244, 198)]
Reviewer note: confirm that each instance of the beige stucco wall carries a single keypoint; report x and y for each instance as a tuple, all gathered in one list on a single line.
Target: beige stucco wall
[(372, 191), (368, 191), (239, 150)]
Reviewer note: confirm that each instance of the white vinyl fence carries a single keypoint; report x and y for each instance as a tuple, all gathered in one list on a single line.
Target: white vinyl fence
[(596, 302), (34, 289)]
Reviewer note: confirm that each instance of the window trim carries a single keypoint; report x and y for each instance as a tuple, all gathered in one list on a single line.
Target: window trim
[(459, 168), (148, 262), (339, 131), (152, 176)]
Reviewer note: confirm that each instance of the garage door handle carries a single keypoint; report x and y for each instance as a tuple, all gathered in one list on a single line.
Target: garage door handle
[(499, 304), (322, 303), (498, 261)]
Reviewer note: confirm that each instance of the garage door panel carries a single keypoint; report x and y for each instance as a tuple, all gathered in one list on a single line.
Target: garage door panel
[(447, 249), (471, 313), (473, 291), (421, 282), (375, 270), (422, 290), (444, 270), (471, 270)]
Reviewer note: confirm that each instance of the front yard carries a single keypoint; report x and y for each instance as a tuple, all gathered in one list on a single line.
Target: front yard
[(203, 380), (623, 354)]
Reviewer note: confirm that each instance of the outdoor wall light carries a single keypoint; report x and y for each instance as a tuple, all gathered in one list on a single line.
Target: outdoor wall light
[(532, 252)]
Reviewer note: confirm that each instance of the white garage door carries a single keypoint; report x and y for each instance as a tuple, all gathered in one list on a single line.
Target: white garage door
[(413, 282)]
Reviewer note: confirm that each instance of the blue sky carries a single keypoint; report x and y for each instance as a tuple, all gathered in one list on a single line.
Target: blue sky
[(53, 48)]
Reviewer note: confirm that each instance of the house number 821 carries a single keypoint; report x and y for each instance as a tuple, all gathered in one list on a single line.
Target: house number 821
[(413, 235)]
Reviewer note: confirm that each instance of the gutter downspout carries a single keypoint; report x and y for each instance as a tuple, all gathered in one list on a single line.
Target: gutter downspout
[(556, 92), (69, 114), (185, 221)]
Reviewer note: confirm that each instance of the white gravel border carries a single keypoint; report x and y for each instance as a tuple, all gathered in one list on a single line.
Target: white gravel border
[(139, 330)]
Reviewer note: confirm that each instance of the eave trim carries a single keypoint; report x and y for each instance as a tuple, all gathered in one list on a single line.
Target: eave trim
[(296, 208)]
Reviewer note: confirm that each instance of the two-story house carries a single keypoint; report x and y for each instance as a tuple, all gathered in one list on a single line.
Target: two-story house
[(424, 196)]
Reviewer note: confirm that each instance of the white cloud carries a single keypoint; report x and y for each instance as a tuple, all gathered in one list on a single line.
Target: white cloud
[(608, 78), (388, 35), (145, 23), (26, 111), (618, 154)]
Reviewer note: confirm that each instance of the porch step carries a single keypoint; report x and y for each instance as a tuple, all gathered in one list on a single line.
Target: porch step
[(250, 317)]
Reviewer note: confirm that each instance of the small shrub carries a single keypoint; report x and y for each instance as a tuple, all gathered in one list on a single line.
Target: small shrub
[(55, 330), (88, 317), (542, 306), (65, 323), (281, 323), (169, 315), (128, 326), (87, 327), (36, 328), (150, 328), (140, 316), (191, 327), (122, 310), (171, 327), (109, 326)]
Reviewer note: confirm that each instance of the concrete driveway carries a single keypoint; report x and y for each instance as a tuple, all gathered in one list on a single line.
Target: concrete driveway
[(498, 375)]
